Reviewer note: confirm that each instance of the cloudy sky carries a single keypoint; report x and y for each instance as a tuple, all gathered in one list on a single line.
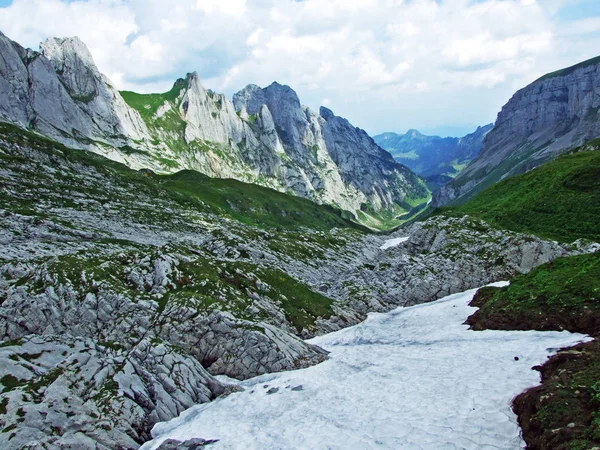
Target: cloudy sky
[(441, 66)]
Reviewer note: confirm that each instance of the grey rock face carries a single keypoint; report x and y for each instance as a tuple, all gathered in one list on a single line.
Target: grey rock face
[(252, 98), (322, 143), (192, 444), (372, 170), (61, 94), (92, 91), (550, 116), (264, 136), (71, 393)]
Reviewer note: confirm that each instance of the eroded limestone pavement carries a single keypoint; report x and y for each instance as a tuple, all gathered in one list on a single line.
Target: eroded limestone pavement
[(118, 305)]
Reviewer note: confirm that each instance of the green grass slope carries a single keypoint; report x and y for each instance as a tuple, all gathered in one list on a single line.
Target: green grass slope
[(148, 104), (254, 204), (559, 200), (561, 295), (248, 203)]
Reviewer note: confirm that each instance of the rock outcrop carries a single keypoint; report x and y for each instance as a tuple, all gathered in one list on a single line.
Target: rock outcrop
[(550, 116), (60, 93), (267, 138)]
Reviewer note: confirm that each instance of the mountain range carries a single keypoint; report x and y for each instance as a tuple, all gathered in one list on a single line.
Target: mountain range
[(434, 158), (265, 136), (135, 274)]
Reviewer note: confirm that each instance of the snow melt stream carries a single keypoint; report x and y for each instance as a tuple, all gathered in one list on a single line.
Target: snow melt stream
[(414, 378)]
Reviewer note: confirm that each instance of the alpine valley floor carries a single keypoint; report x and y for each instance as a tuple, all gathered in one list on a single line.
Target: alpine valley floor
[(413, 378)]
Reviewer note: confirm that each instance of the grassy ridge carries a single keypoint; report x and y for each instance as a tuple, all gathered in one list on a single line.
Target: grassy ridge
[(559, 200), (148, 104), (254, 204)]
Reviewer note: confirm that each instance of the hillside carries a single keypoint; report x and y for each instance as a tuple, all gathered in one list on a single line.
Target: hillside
[(559, 200), (125, 292)]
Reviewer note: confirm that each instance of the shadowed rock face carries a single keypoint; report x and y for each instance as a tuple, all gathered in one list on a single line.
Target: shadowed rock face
[(317, 140), (553, 114), (264, 136)]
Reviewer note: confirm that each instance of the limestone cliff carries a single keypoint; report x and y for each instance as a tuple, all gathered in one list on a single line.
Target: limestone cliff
[(265, 136), (553, 114), (60, 93)]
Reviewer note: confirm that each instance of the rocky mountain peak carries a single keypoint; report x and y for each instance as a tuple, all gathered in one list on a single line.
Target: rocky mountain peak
[(193, 83), (74, 63), (252, 97), (282, 93), (326, 113), (265, 135)]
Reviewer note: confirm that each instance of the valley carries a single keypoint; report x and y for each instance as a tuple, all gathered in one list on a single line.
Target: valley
[(445, 387), (170, 261)]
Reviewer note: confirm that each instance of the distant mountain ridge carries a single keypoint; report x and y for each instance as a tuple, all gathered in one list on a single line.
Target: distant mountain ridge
[(271, 140), (550, 116), (433, 157)]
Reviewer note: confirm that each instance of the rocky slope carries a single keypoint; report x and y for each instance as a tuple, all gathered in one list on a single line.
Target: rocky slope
[(551, 115), (121, 297), (432, 157), (274, 141)]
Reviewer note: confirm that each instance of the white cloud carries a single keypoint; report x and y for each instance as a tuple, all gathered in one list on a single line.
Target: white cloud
[(384, 64)]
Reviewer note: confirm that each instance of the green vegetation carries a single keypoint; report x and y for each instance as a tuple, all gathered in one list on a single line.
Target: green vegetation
[(563, 294), (559, 200), (148, 104), (255, 205), (10, 383), (564, 412), (570, 70), (514, 163), (198, 283), (300, 304), (169, 128), (252, 118), (201, 283), (411, 155)]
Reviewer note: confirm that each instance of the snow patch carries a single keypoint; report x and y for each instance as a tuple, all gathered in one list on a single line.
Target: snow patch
[(394, 242), (414, 378)]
